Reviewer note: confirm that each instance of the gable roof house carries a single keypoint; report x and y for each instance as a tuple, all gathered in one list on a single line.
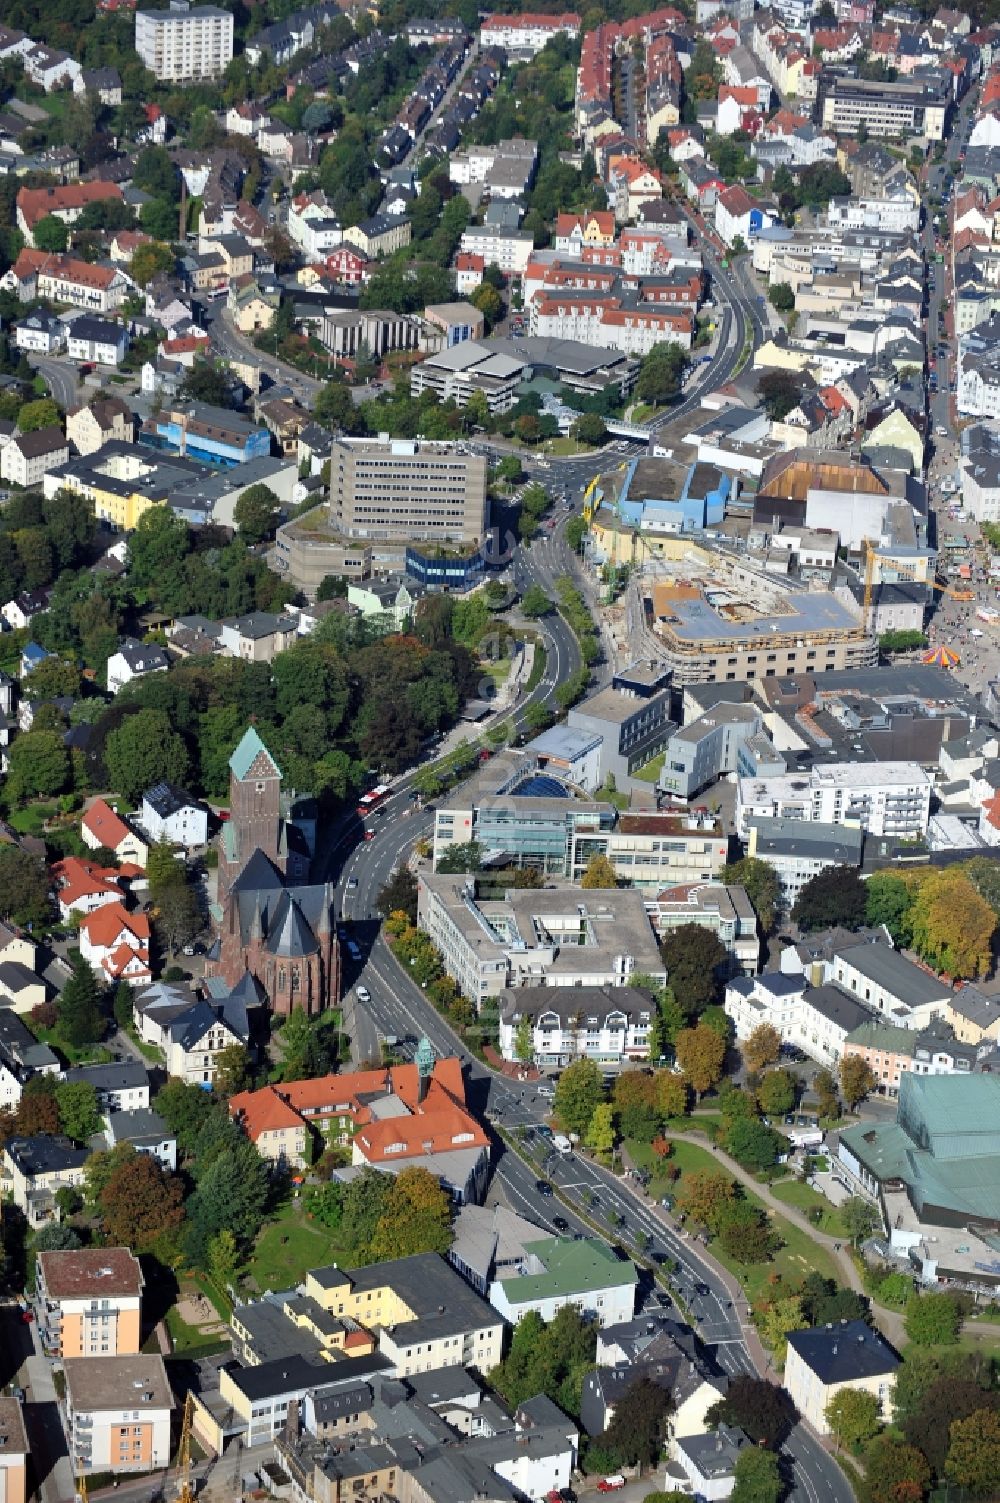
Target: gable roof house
[(193, 1031), (103, 826), (134, 660), (115, 944), (28, 458)]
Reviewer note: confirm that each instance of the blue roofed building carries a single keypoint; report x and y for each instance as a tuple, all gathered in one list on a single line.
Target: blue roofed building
[(212, 435), (659, 495)]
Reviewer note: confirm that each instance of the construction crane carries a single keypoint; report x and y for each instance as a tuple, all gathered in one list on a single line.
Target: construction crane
[(81, 1488), (908, 571), (185, 1491)]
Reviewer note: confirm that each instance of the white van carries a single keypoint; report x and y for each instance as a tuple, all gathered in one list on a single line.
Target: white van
[(562, 1145)]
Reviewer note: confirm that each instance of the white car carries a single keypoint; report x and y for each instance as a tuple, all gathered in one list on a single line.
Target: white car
[(364, 995)]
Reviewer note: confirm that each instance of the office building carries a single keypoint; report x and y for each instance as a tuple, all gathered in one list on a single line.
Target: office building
[(726, 911), (185, 44), (560, 1271), (703, 751), (410, 489), (798, 852), (555, 936), (909, 107), (455, 372), (634, 727)]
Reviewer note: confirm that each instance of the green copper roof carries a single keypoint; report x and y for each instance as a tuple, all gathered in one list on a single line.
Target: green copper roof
[(247, 753), (569, 1267)]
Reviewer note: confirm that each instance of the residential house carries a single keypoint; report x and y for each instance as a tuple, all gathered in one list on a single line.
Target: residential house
[(104, 420), (118, 1413), (170, 813), (35, 1168), (29, 456), (147, 1133), (115, 944), (134, 660), (258, 637), (81, 886), (380, 235), (102, 826), (40, 333), (21, 611), (88, 1302), (96, 340), (65, 202), (609, 1024), (560, 1271), (192, 1032), (823, 1362), (121, 1087)]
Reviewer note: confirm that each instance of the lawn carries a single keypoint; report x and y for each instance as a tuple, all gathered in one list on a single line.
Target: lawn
[(798, 1256), (289, 1246), (188, 1341), (793, 1193), (652, 770)]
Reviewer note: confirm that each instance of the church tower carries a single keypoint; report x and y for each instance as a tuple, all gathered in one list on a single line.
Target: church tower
[(255, 810)]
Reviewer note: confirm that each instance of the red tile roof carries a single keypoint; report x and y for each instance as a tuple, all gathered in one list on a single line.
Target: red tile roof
[(35, 203), (104, 824), (104, 925)]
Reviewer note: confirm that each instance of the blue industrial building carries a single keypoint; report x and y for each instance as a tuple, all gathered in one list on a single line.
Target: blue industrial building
[(658, 495), (211, 435)]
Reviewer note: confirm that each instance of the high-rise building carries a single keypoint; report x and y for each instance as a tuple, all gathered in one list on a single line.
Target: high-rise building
[(382, 490), (185, 43)]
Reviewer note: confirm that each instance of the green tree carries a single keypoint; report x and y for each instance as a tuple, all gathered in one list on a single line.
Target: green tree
[(24, 883), (590, 429), (177, 917), (600, 1134), (753, 1145), (101, 1167), (781, 297), (462, 857), (535, 603), (489, 302), (758, 1477), (50, 234), (945, 1401), (79, 1116), (233, 1071), (548, 1358), (416, 1219), (860, 1218), (776, 1093), (825, 1086), (302, 1056), (779, 392), (763, 1410), (760, 882), (145, 749), (38, 765), (579, 1092), (81, 1020), (122, 1006), (857, 1079), (35, 415), (745, 1233), (256, 513), (149, 261), (637, 1432), (933, 1319), (524, 1040), (835, 896), (232, 1193), (185, 1109), (888, 901), (399, 895), (223, 1259), (974, 1454), (599, 874), (661, 374), (693, 956), (853, 1416)]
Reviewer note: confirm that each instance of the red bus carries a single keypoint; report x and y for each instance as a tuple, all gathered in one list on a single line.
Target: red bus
[(370, 801)]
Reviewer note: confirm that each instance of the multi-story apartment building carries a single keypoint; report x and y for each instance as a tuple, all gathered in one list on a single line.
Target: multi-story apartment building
[(978, 386), (882, 798), (508, 250), (64, 279), (186, 43), (13, 1452), (118, 1414), (911, 107), (607, 1024), (526, 34), (798, 852), (88, 1303), (26, 458), (407, 488)]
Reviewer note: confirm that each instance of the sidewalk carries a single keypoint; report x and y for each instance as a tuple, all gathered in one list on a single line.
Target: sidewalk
[(890, 1322)]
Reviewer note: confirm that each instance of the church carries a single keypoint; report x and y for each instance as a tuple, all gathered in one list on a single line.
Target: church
[(270, 919)]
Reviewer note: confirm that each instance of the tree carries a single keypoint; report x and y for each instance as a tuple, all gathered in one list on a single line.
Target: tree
[(933, 1319), (81, 1021), (232, 1193), (35, 415), (825, 1303), (888, 901), (853, 1416), (548, 1358), (692, 955), (223, 1259), (140, 1203), (781, 297), (464, 856), (24, 884), (895, 1472), (701, 1055), (599, 873), (233, 1072), (177, 916), (929, 1426), (952, 925), (302, 1054), (636, 1105), (37, 1114), (535, 603), (590, 429), (974, 1454), (857, 1079), (79, 1116), (256, 513), (145, 749), (638, 1426), (122, 1007), (825, 1086), (600, 1134), (671, 1094), (661, 374), (860, 1218), (835, 896), (763, 1047), (704, 1195), (50, 234), (56, 1238), (754, 1145), (416, 1219), (524, 1040), (758, 1478), (776, 1093), (54, 676), (399, 895), (760, 882), (763, 1410), (38, 765), (779, 392), (489, 302), (745, 1233), (150, 260), (184, 1108), (579, 1092)]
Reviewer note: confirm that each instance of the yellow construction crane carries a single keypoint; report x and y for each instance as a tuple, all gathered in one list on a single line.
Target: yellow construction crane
[(908, 571), (81, 1488), (185, 1492)]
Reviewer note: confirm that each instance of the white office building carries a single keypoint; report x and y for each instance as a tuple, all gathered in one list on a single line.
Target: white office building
[(882, 798)]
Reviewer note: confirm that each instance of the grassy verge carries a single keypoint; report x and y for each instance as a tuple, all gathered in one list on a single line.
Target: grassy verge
[(537, 668), (803, 1198), (652, 770), (799, 1254), (289, 1246)]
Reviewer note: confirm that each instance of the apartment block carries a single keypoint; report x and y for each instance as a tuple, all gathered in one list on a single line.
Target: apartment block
[(186, 43), (13, 1452), (88, 1303), (798, 852), (118, 1414), (407, 488), (607, 1024), (911, 107), (881, 798)]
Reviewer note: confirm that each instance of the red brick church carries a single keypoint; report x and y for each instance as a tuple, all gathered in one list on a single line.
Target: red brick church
[(270, 919)]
